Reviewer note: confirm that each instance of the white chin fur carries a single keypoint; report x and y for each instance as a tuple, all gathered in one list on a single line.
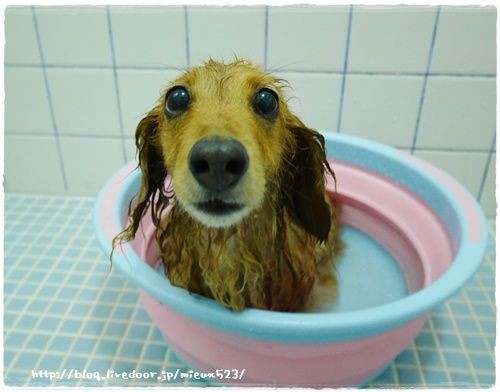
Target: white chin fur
[(217, 221)]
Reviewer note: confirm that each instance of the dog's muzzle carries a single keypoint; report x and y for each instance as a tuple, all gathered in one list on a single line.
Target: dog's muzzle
[(218, 163)]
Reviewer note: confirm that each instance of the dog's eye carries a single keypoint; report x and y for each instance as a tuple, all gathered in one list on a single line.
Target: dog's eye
[(266, 104), (178, 100)]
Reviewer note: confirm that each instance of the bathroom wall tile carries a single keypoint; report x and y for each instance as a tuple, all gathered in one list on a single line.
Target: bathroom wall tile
[(74, 35), (149, 36), (488, 201), (307, 38), (390, 39), (20, 39), (314, 98), (130, 149), (465, 41), (225, 32), (306, 46), (89, 162), (84, 101), (139, 93), (466, 167), (458, 113), (32, 165), (26, 104), (381, 108)]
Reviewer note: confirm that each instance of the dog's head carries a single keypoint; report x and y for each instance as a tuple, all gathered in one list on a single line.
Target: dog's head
[(226, 136)]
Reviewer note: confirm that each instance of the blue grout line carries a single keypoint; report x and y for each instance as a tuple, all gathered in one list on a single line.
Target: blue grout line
[(283, 71), (447, 149), (486, 166), (63, 135), (344, 71), (186, 31), (49, 99), (114, 137), (115, 78), (97, 67), (424, 82), (266, 37)]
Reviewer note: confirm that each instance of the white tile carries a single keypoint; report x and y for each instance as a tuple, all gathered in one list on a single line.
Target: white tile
[(89, 162), (381, 108), (466, 167), (26, 104), (157, 37), (391, 39), (84, 101), (74, 35), (130, 149), (307, 38), (139, 92), (488, 201), (20, 38), (465, 41), (225, 32), (315, 98), (32, 165), (458, 113)]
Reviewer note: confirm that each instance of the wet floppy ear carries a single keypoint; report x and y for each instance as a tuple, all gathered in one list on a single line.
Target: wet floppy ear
[(305, 194), (154, 172)]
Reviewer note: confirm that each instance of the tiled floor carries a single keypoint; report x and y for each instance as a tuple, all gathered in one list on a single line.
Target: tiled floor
[(64, 309)]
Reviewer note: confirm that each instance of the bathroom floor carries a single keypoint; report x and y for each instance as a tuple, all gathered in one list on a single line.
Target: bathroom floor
[(68, 318)]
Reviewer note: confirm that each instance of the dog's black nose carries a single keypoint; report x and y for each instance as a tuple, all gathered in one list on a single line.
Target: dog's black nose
[(218, 163)]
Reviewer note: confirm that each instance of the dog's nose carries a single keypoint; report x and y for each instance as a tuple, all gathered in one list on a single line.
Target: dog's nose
[(218, 163)]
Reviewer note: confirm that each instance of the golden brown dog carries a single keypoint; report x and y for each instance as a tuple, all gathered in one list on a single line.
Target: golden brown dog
[(251, 225)]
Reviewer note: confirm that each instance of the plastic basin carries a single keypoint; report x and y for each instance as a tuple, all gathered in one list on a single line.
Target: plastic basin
[(414, 237)]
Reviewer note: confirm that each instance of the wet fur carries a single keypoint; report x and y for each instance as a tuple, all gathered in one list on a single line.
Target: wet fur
[(284, 245)]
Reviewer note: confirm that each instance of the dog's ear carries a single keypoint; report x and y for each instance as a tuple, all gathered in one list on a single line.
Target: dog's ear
[(151, 163), (304, 195)]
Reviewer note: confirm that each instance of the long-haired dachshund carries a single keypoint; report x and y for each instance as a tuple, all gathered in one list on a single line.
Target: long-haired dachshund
[(251, 225)]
